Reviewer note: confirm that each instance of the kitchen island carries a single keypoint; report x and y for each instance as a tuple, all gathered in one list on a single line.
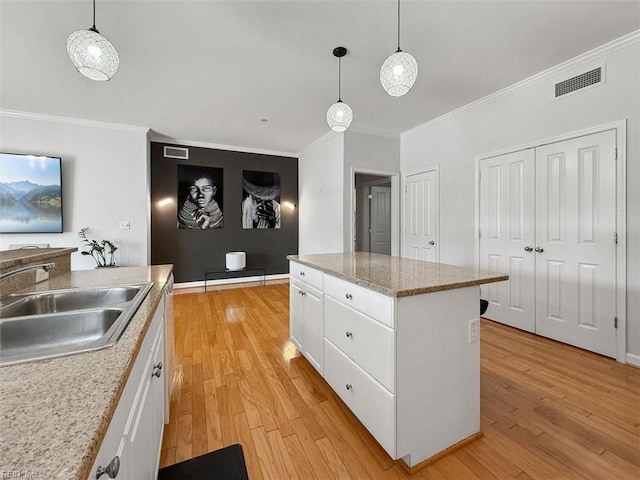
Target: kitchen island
[(398, 341), (54, 414)]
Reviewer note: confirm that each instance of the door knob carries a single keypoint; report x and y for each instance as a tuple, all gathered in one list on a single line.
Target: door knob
[(528, 249), (432, 242), (539, 249)]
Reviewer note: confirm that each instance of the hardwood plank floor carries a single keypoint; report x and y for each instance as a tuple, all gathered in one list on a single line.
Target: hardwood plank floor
[(548, 410)]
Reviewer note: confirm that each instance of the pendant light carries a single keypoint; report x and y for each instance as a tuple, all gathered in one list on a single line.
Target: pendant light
[(399, 71), (339, 115), (92, 54)]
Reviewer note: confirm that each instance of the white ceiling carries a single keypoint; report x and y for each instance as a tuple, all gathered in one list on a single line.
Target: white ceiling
[(209, 71)]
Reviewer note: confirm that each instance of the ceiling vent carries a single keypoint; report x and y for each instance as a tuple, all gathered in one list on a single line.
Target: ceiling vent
[(587, 79), (176, 152)]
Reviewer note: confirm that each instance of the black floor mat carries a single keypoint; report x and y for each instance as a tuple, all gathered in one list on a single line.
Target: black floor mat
[(224, 464)]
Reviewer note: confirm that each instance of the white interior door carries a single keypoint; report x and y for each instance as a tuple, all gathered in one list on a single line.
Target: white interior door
[(423, 210), (575, 243), (507, 236), (380, 220)]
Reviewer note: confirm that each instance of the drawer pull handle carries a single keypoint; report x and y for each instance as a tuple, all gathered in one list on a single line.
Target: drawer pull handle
[(349, 296), (349, 386), (156, 370), (111, 470), (302, 274), (349, 334)]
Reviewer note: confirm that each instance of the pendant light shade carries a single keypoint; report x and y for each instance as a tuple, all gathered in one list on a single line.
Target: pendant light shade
[(400, 71), (339, 115), (93, 54)]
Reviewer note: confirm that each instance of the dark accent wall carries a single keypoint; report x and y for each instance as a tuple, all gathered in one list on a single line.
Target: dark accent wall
[(192, 251)]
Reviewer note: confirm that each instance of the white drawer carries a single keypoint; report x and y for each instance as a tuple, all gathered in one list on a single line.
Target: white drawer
[(367, 301), (306, 274), (369, 343), (368, 400)]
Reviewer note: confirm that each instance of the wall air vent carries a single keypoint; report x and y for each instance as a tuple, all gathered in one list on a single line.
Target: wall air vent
[(176, 152), (587, 79)]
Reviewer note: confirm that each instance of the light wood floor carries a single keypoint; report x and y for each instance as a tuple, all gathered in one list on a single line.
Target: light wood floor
[(548, 411)]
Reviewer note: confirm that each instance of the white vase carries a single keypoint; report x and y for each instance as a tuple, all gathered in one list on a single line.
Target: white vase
[(236, 260)]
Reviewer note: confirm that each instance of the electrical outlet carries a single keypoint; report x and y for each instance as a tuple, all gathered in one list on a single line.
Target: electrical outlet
[(474, 330), (41, 275), (124, 224)]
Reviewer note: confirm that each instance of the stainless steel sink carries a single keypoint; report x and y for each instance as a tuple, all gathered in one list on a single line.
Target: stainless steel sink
[(63, 322), (67, 300)]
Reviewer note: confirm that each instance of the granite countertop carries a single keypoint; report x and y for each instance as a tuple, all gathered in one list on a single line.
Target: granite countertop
[(23, 256), (396, 276), (54, 413)]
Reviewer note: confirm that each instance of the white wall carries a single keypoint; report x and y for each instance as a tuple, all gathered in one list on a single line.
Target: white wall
[(105, 180), (320, 183), (526, 114)]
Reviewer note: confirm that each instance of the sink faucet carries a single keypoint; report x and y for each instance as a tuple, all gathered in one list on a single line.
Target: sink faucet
[(47, 267)]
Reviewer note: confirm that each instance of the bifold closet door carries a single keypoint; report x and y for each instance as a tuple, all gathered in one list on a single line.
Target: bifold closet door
[(575, 248), (507, 236)]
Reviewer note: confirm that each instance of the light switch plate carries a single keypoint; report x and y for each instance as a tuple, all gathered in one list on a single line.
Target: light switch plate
[(474, 331)]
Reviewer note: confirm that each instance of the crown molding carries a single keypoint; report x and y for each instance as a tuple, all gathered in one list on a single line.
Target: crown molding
[(590, 56), (156, 137), (72, 121)]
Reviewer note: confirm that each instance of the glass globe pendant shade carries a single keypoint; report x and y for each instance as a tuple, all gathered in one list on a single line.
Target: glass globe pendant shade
[(92, 54), (339, 116), (399, 73)]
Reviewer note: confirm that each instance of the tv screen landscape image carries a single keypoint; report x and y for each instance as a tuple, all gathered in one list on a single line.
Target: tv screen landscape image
[(30, 194)]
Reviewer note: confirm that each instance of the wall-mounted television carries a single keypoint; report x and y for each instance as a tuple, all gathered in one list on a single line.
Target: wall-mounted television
[(30, 193)]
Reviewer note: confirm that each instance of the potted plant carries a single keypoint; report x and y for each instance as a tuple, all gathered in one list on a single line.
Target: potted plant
[(101, 251)]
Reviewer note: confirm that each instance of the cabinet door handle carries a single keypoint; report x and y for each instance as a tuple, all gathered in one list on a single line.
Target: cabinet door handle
[(302, 274), (528, 249), (349, 334), (539, 249), (348, 296), (300, 292), (349, 386), (111, 470), (431, 242), (156, 370)]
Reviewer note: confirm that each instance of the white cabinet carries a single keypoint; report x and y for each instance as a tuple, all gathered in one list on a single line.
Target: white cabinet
[(404, 366), (134, 435), (369, 343), (307, 313)]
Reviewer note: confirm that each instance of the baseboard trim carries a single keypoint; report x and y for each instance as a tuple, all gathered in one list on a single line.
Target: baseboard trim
[(438, 456), (633, 359), (227, 283)]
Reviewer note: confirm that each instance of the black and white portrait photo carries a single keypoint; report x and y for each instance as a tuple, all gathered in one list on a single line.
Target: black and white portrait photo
[(199, 197), (260, 199)]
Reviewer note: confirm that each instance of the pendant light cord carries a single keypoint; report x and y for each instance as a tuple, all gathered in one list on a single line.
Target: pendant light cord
[(398, 25), (339, 79), (94, 15)]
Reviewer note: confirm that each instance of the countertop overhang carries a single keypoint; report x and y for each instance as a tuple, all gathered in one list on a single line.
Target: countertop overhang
[(397, 276), (54, 413), (24, 256)]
